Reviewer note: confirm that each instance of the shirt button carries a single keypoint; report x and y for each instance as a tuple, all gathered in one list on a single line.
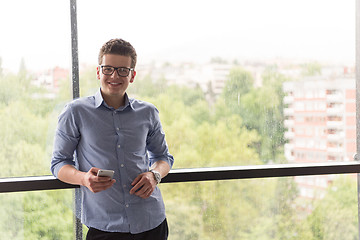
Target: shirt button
[(122, 165), (124, 186), (117, 129), (119, 146), (127, 205)]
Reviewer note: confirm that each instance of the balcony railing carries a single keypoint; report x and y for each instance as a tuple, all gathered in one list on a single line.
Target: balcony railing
[(198, 174), (37, 183)]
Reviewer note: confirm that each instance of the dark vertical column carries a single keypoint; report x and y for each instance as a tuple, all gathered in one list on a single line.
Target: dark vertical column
[(74, 50), (75, 94)]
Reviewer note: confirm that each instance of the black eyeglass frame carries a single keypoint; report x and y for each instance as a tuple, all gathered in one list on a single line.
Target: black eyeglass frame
[(115, 69)]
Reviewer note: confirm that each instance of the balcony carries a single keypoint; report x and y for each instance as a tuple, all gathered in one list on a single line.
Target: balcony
[(288, 146), (335, 124), (289, 123), (288, 111), (289, 155), (335, 98), (288, 99), (338, 111), (335, 150), (336, 137), (289, 135)]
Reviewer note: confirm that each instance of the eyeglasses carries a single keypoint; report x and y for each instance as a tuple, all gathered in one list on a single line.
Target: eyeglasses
[(122, 71)]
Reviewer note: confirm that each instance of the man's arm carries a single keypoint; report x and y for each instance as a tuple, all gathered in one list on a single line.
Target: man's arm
[(70, 174), (145, 184), (62, 165), (162, 167), (160, 159)]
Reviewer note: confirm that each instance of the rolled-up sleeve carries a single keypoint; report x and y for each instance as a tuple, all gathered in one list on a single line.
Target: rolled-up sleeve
[(66, 139), (156, 143)]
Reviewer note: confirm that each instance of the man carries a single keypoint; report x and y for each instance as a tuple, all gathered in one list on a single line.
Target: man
[(111, 131)]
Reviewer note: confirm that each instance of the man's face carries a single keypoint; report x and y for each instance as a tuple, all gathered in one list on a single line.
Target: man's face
[(114, 84)]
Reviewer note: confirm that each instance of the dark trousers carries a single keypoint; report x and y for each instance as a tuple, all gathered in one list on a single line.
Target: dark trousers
[(159, 233)]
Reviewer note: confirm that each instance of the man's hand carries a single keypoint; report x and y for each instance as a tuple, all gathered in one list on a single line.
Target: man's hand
[(144, 185), (95, 183)]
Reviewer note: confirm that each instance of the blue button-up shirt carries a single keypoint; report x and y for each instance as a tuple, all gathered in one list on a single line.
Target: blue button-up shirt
[(127, 140)]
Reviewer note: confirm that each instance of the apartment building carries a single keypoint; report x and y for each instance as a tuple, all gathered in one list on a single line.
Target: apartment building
[(320, 117)]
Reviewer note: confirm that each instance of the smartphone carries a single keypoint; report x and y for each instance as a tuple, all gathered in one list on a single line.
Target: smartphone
[(105, 173)]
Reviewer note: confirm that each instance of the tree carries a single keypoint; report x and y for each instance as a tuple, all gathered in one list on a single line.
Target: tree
[(146, 86), (335, 216), (218, 60), (260, 108), (26, 128), (311, 69), (238, 84), (234, 131)]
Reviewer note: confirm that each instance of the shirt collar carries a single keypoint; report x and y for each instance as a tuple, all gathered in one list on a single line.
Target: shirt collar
[(128, 102), (99, 100)]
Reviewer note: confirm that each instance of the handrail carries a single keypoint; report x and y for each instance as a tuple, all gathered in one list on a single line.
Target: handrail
[(39, 183)]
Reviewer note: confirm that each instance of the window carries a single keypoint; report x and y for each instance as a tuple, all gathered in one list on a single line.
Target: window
[(34, 82), (219, 83)]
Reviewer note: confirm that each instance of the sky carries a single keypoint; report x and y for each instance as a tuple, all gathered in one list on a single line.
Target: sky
[(38, 31)]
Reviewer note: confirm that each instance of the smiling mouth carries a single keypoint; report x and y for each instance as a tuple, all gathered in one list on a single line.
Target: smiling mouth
[(114, 83)]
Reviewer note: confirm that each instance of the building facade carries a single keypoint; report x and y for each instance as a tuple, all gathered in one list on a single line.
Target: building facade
[(320, 117)]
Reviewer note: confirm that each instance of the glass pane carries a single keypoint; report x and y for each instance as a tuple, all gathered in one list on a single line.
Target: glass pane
[(234, 209), (237, 82), (261, 209), (34, 82), (37, 215)]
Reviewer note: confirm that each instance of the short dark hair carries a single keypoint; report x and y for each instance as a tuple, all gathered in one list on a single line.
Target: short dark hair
[(120, 47)]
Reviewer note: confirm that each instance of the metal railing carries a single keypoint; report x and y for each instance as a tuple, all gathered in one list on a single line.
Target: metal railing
[(39, 183)]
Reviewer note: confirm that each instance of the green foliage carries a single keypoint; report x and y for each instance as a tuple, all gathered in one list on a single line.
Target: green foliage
[(260, 108), (14, 87), (243, 127), (88, 81), (48, 215), (311, 69), (182, 224), (27, 123), (11, 216), (24, 140), (238, 84), (333, 217), (146, 87), (36, 215), (218, 60)]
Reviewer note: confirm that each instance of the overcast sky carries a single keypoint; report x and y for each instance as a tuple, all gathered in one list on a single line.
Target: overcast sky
[(186, 30)]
